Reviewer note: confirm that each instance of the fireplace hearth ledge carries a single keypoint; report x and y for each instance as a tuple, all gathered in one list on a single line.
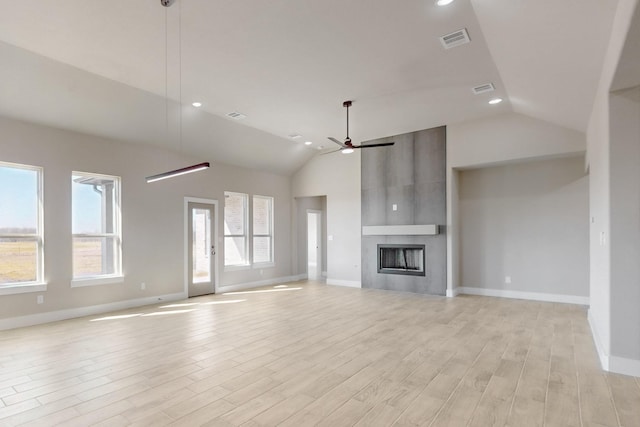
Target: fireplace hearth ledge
[(401, 230)]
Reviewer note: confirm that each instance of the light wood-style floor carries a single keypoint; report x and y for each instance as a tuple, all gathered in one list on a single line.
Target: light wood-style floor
[(308, 354)]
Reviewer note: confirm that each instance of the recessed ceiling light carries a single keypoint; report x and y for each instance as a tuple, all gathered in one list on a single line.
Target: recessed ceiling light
[(347, 151), (197, 104), (308, 143), (444, 2), (495, 101)]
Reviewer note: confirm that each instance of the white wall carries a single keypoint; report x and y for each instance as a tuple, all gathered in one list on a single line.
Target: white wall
[(528, 221), (601, 167), (152, 215), (337, 176), (625, 222)]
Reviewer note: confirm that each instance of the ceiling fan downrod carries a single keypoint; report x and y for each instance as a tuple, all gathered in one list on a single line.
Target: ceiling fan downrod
[(347, 104), (167, 3)]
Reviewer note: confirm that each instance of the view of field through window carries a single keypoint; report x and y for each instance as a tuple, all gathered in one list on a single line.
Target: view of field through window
[(18, 224), (94, 225), (94, 218), (18, 262)]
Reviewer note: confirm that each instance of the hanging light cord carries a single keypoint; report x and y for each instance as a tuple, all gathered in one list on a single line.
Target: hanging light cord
[(166, 73), (180, 69)]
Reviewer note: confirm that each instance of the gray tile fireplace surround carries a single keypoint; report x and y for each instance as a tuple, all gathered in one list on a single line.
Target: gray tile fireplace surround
[(412, 176)]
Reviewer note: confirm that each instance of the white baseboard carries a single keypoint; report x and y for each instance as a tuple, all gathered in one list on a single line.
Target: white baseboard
[(453, 292), (54, 316), (347, 283), (624, 366), (619, 365), (259, 283), (602, 352), (535, 296)]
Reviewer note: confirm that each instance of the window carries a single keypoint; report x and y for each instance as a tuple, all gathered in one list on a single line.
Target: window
[(21, 254), (236, 248), (262, 229), (96, 228)]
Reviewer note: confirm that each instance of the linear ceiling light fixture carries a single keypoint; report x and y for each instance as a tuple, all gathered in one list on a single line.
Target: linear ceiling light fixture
[(192, 168), (178, 172)]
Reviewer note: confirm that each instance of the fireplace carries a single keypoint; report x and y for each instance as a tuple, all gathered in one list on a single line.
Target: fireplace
[(401, 259)]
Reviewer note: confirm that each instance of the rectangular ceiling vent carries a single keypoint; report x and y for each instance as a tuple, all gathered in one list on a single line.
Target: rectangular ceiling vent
[(484, 88), (454, 39), (237, 116), (295, 136)]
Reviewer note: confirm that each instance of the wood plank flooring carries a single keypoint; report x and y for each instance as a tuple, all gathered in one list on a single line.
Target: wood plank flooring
[(311, 354)]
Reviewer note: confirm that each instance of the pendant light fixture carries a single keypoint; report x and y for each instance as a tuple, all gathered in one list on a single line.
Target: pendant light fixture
[(178, 172), (188, 169)]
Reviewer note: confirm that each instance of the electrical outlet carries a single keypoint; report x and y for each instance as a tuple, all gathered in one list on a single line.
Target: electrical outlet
[(394, 207), (40, 299), (507, 279)]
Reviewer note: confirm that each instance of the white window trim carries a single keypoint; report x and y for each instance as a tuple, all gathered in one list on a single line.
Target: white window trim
[(39, 285), (237, 267), (272, 262), (23, 288), (105, 279), (247, 264), (97, 280)]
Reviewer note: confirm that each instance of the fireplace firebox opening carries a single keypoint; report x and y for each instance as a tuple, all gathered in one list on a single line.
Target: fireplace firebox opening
[(401, 259)]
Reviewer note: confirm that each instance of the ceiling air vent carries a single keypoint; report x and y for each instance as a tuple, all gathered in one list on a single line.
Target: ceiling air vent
[(454, 39), (484, 88), (295, 136), (237, 116)]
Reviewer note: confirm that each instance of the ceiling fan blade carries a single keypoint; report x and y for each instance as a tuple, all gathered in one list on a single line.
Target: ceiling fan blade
[(383, 144), (337, 142), (329, 152)]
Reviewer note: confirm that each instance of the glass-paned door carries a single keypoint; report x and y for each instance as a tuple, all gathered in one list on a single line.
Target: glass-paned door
[(201, 247)]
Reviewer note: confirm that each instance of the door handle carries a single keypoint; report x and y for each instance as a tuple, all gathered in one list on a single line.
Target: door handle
[(213, 250)]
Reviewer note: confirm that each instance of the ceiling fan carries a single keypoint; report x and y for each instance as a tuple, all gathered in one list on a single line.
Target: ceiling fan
[(347, 146)]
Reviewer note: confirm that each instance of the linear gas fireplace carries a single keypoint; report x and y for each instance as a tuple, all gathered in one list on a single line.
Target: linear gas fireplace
[(401, 259)]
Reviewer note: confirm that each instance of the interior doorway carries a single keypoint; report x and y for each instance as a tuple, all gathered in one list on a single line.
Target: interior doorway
[(200, 246), (314, 244)]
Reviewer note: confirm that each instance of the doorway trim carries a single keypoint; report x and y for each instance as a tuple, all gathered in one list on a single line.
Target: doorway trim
[(185, 234)]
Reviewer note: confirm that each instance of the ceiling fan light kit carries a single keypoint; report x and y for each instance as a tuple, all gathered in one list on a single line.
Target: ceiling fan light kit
[(347, 146)]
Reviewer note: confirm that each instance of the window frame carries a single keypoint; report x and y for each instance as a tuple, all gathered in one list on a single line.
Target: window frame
[(39, 284), (101, 279), (270, 235), (245, 236)]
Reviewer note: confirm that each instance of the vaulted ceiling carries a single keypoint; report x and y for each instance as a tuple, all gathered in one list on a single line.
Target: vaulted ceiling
[(129, 70)]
